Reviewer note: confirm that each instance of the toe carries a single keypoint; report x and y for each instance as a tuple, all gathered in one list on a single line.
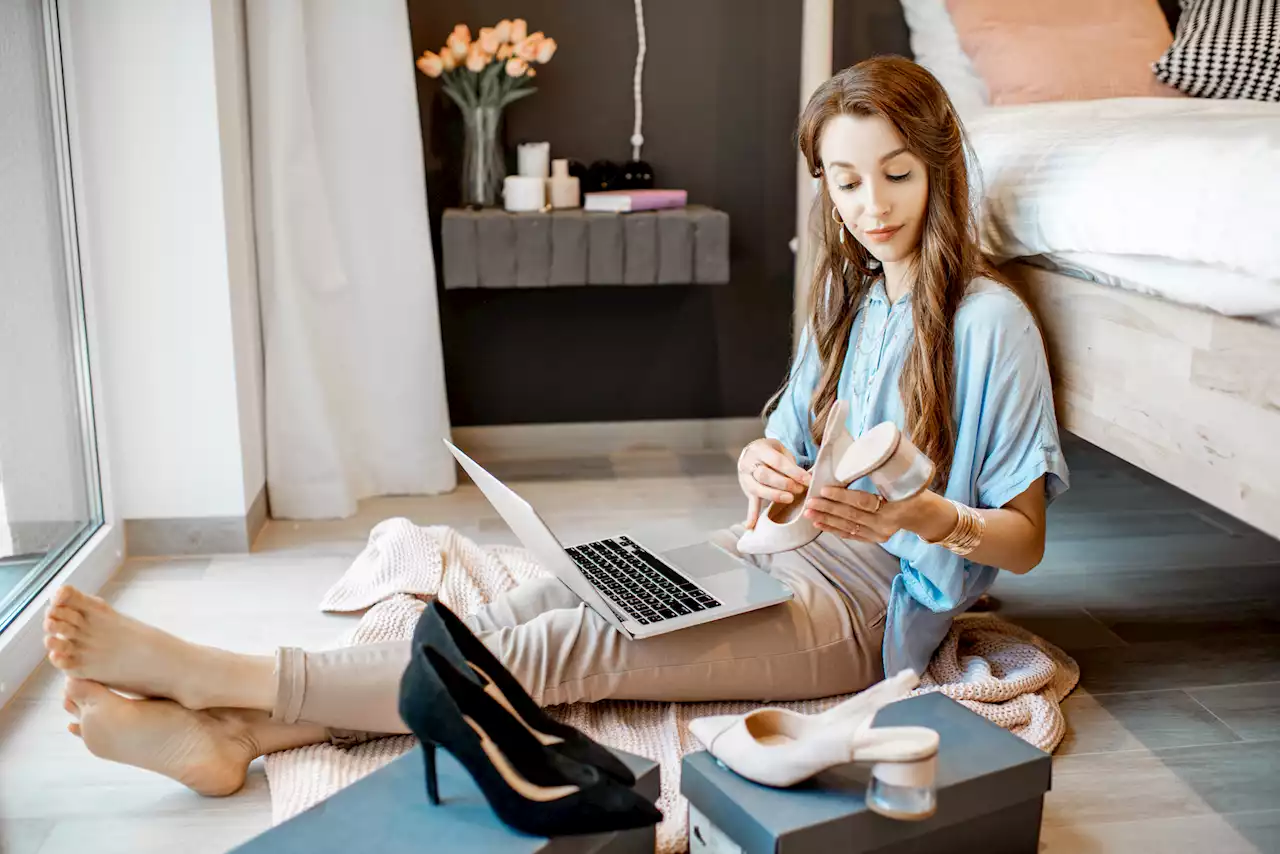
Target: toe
[(82, 603), (55, 626), (62, 596), (62, 652), (82, 691), (66, 614), (74, 729)]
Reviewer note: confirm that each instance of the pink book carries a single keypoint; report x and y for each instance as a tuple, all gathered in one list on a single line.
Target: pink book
[(625, 201)]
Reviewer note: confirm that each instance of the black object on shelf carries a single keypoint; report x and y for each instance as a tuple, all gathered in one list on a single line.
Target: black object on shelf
[(637, 175), (603, 175)]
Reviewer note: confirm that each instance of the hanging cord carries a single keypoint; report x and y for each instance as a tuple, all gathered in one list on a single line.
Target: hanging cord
[(637, 138)]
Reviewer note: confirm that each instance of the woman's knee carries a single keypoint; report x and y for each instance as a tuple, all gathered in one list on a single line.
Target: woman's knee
[(560, 646)]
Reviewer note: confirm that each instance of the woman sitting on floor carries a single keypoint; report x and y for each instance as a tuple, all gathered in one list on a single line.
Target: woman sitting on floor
[(907, 322)]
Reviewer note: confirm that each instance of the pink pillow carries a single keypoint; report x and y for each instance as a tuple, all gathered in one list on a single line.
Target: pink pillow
[(1063, 50)]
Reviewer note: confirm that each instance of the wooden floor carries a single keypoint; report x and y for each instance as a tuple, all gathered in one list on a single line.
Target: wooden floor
[(1171, 608)]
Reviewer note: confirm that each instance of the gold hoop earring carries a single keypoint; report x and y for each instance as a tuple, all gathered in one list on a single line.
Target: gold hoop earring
[(835, 215)]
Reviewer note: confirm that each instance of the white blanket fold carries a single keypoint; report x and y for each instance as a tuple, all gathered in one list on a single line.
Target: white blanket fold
[(998, 670)]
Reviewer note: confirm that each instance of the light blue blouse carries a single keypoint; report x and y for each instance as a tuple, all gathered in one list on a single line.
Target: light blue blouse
[(1007, 437)]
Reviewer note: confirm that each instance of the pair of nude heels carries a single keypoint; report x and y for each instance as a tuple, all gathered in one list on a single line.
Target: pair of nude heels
[(778, 747), (897, 468)]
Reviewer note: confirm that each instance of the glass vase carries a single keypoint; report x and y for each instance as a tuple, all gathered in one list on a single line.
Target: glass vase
[(482, 166)]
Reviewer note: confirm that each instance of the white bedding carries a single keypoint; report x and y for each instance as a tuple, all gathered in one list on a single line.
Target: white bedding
[(1201, 285), (1184, 179)]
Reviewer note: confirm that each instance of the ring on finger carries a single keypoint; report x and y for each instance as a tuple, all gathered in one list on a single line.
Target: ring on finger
[(856, 529)]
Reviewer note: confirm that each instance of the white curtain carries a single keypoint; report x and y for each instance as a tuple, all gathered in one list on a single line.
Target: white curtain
[(355, 395)]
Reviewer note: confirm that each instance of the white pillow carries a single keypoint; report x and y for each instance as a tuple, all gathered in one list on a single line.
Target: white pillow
[(937, 47)]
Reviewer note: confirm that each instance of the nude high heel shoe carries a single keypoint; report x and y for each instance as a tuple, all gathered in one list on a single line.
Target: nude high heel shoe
[(862, 705), (897, 468), (778, 747)]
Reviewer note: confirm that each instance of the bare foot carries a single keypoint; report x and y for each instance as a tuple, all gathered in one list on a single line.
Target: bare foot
[(88, 639), (206, 752)]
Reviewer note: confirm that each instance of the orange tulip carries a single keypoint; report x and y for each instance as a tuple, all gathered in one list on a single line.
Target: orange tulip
[(430, 64), (528, 49), (459, 40), (477, 59)]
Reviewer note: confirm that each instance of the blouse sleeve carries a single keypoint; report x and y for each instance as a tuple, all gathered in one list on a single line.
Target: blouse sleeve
[(789, 423), (1018, 428), (1006, 438)]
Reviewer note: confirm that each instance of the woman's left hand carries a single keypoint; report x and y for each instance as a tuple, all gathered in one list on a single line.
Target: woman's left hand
[(856, 515)]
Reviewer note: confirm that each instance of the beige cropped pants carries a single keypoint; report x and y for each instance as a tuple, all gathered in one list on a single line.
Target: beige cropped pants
[(825, 641)]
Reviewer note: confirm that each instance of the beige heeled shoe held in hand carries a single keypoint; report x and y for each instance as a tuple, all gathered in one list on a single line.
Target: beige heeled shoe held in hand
[(896, 466)]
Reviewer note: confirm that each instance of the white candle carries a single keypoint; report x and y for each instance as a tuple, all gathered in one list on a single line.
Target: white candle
[(521, 193), (534, 159)]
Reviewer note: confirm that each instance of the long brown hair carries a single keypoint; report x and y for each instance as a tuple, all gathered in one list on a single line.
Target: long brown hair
[(913, 101)]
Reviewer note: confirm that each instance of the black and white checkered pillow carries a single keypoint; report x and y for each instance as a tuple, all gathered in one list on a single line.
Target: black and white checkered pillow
[(1225, 49)]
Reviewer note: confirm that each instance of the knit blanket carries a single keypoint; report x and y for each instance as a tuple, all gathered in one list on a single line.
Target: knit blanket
[(1000, 671)]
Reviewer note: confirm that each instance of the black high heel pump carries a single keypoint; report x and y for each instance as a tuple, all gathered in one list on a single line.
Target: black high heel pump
[(530, 786), (441, 629)]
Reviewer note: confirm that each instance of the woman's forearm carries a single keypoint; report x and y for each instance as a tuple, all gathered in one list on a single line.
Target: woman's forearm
[(1012, 539)]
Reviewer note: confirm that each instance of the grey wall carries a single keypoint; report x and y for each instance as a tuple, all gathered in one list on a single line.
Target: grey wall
[(721, 93), (720, 103)]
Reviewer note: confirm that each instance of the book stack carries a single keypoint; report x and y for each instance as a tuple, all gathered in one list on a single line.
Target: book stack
[(627, 201)]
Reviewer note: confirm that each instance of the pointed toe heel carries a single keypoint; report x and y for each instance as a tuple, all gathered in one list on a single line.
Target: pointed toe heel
[(450, 637), (529, 785)]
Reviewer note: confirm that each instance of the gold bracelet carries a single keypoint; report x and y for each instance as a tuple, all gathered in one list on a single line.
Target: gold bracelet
[(967, 534)]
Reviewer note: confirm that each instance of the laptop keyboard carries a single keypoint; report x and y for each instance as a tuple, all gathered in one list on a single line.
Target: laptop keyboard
[(640, 584)]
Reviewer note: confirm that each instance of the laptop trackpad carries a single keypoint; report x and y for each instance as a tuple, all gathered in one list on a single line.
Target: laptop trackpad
[(702, 560)]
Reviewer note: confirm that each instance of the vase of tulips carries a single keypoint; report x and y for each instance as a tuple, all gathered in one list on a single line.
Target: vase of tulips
[(482, 76)]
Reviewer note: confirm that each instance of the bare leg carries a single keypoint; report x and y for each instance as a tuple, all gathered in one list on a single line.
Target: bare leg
[(207, 751), (88, 639)]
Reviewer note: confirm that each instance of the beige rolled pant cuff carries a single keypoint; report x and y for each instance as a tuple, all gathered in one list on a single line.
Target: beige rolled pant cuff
[(825, 641)]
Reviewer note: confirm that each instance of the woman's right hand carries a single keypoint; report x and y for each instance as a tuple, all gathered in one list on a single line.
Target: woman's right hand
[(768, 472)]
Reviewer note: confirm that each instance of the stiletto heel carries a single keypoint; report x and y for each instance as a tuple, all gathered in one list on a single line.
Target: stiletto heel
[(429, 755), (530, 786), (442, 630)]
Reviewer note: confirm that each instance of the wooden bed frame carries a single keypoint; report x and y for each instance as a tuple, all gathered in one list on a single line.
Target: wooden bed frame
[(1189, 395)]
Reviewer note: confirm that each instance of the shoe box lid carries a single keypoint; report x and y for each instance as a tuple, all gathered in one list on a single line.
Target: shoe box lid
[(388, 812)]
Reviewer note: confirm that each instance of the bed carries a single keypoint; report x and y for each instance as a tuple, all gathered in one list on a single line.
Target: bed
[(1158, 298), (1188, 394)]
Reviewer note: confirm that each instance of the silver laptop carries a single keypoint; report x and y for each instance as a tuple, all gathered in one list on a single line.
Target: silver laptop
[(641, 592)]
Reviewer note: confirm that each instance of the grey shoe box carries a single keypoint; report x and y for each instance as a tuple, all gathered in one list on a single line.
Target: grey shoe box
[(991, 787), (388, 812)]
